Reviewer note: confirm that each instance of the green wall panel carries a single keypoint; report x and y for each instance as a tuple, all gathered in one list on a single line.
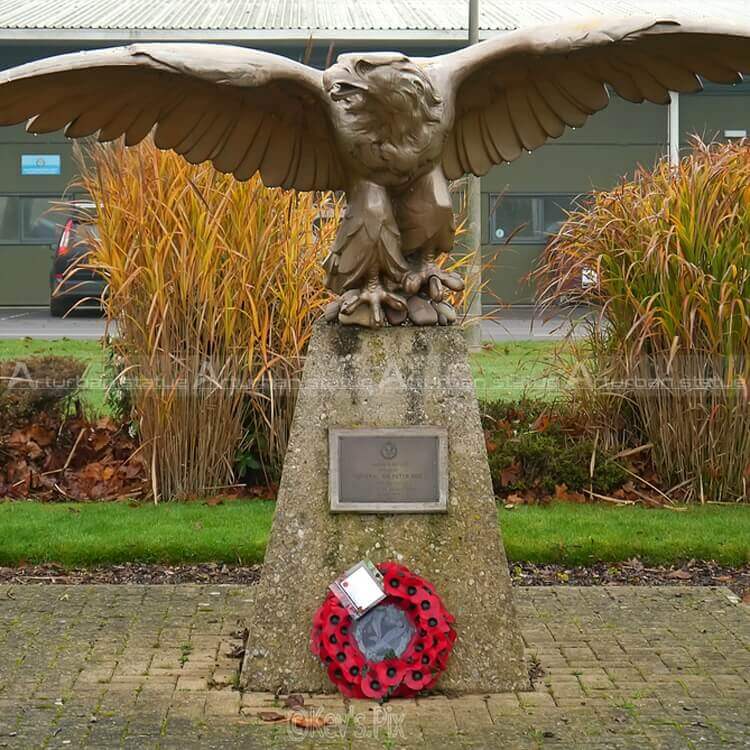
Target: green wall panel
[(552, 169), (711, 113), (25, 276)]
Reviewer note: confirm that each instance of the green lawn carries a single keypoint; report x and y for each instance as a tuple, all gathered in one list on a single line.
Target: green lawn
[(515, 370), (88, 351), (578, 534), (81, 534), (508, 370), (236, 532)]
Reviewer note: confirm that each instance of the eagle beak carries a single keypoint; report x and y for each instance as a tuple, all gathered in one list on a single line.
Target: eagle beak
[(344, 89)]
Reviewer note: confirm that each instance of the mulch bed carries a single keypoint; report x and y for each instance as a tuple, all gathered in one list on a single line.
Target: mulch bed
[(631, 573), (209, 573), (635, 573)]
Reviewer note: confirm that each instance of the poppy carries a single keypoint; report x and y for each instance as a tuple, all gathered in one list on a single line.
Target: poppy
[(417, 678), (390, 672), (372, 687)]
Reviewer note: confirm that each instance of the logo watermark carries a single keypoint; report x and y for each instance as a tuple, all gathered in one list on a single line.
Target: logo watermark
[(382, 722)]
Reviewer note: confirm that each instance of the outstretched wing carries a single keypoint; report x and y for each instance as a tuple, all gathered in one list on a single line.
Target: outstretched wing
[(243, 109), (513, 93)]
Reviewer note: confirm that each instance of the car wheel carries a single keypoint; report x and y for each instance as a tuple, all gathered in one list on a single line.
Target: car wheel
[(58, 307)]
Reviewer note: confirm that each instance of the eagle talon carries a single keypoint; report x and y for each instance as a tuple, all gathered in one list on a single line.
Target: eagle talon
[(434, 280), (376, 298)]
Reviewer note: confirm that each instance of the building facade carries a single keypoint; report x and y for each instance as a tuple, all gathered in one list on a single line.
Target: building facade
[(532, 192)]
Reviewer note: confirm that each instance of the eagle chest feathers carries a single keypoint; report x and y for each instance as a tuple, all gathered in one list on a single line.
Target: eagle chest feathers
[(388, 118)]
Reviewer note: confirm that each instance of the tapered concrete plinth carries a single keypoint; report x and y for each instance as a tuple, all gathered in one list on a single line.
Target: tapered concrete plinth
[(390, 378)]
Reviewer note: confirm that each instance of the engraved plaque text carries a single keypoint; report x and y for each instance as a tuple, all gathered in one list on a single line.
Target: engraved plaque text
[(394, 470)]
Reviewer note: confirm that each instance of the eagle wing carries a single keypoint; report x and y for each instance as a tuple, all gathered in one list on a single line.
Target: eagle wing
[(243, 109), (513, 93)]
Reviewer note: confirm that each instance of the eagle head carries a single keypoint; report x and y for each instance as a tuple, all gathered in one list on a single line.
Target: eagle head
[(386, 83)]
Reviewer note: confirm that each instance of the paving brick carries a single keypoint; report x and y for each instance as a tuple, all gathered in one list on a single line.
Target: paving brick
[(623, 667), (566, 690), (595, 682), (536, 700), (187, 682), (502, 704), (223, 702), (471, 713)]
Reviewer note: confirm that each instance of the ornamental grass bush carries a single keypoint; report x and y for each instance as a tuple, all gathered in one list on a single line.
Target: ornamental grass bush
[(666, 362), (214, 286)]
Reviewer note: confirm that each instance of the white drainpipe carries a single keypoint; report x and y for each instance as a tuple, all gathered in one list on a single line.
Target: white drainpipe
[(674, 128)]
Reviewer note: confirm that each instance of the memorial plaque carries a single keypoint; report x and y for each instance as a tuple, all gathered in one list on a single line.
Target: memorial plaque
[(393, 470)]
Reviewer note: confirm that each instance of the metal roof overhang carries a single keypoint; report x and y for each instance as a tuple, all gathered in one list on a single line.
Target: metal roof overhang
[(279, 36)]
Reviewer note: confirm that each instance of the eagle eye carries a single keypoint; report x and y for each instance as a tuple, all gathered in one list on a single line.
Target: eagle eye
[(362, 67)]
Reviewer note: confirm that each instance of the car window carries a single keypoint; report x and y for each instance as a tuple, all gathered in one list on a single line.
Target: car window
[(40, 222)]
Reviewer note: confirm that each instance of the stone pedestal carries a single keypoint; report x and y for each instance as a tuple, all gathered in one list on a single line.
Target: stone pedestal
[(389, 378)]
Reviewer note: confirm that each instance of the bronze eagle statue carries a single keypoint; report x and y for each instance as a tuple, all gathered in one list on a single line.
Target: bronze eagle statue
[(388, 130)]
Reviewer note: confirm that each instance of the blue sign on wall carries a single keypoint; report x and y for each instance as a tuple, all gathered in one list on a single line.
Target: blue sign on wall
[(36, 164)]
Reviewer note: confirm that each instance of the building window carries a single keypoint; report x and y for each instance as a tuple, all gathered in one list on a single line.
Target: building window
[(9, 218), (530, 219), (30, 219)]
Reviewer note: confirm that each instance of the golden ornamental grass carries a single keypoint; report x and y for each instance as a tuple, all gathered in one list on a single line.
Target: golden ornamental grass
[(214, 286), (668, 360)]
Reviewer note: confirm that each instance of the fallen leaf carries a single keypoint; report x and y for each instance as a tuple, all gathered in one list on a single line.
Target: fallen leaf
[(561, 491), (489, 442), (100, 440), (213, 501), (542, 423), (106, 423), (682, 575), (309, 722), (746, 597), (510, 474), (505, 426), (271, 716), (42, 436)]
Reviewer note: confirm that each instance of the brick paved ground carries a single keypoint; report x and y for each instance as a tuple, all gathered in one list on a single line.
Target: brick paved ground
[(147, 667)]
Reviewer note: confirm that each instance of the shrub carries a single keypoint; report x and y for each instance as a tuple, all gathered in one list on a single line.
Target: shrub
[(535, 446), (33, 385), (214, 285), (667, 361)]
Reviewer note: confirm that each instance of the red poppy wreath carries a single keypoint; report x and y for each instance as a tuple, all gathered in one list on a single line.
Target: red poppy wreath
[(396, 649)]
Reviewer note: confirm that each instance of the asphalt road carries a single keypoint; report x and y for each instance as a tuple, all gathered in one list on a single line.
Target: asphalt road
[(511, 324), (36, 322)]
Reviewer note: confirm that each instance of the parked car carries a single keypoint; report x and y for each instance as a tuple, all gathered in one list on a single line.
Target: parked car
[(582, 280), (70, 281)]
